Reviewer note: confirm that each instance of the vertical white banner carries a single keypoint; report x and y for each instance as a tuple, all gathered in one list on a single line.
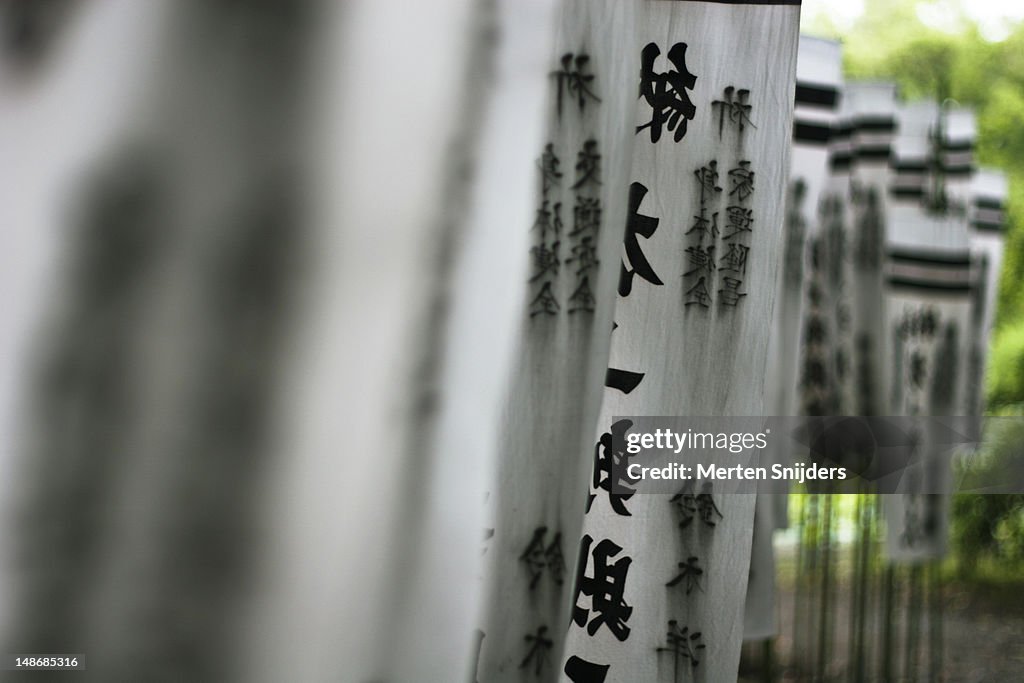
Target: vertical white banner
[(928, 298), (873, 107), (421, 187), (575, 239), (660, 580)]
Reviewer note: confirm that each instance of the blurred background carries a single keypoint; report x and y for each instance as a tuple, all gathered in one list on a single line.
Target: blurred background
[(261, 303), (971, 54)]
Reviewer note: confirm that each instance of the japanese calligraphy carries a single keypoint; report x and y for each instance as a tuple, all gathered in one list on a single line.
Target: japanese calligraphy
[(582, 299), (701, 254), (539, 557), (742, 181), (623, 380), (644, 226), (540, 647), (733, 108), (666, 93), (683, 645), (545, 258), (586, 216), (545, 302), (573, 80), (696, 505), (581, 671), (549, 173), (605, 588), (588, 165), (689, 576), (610, 469)]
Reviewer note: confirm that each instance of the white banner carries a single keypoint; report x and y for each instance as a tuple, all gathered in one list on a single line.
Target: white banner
[(660, 581)]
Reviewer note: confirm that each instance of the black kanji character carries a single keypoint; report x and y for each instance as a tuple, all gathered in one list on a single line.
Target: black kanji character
[(584, 255), (623, 380), (572, 79), (549, 173), (703, 226), (740, 220), (548, 220), (582, 298), (683, 645), (581, 671), (545, 260), (698, 294), (666, 93), (701, 506), (586, 215), (735, 260), (545, 302), (605, 588), (702, 260), (645, 226), (610, 467), (742, 181), (539, 557), (588, 165), (690, 573), (540, 647), (736, 108), (533, 556), (730, 294), (707, 178)]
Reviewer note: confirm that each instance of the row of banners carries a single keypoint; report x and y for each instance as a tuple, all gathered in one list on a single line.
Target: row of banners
[(516, 220), (857, 280)]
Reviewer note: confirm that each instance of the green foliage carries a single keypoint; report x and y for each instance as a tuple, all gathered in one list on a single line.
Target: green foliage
[(1006, 367), (1010, 302), (988, 525), (991, 525)]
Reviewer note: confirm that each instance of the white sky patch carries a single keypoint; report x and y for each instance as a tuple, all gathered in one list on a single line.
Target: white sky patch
[(996, 18)]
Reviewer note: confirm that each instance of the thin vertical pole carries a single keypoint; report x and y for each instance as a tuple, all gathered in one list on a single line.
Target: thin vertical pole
[(888, 632)]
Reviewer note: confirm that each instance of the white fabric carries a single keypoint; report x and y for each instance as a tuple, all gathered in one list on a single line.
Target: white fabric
[(695, 360), (538, 496), (396, 399)]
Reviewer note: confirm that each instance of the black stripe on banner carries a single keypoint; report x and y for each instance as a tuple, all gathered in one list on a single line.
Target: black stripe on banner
[(839, 162), (815, 133), (988, 203), (842, 131), (873, 152), (907, 192), (963, 146), (962, 169), (816, 96), (931, 258), (875, 124), (911, 283), (985, 226), (910, 166)]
